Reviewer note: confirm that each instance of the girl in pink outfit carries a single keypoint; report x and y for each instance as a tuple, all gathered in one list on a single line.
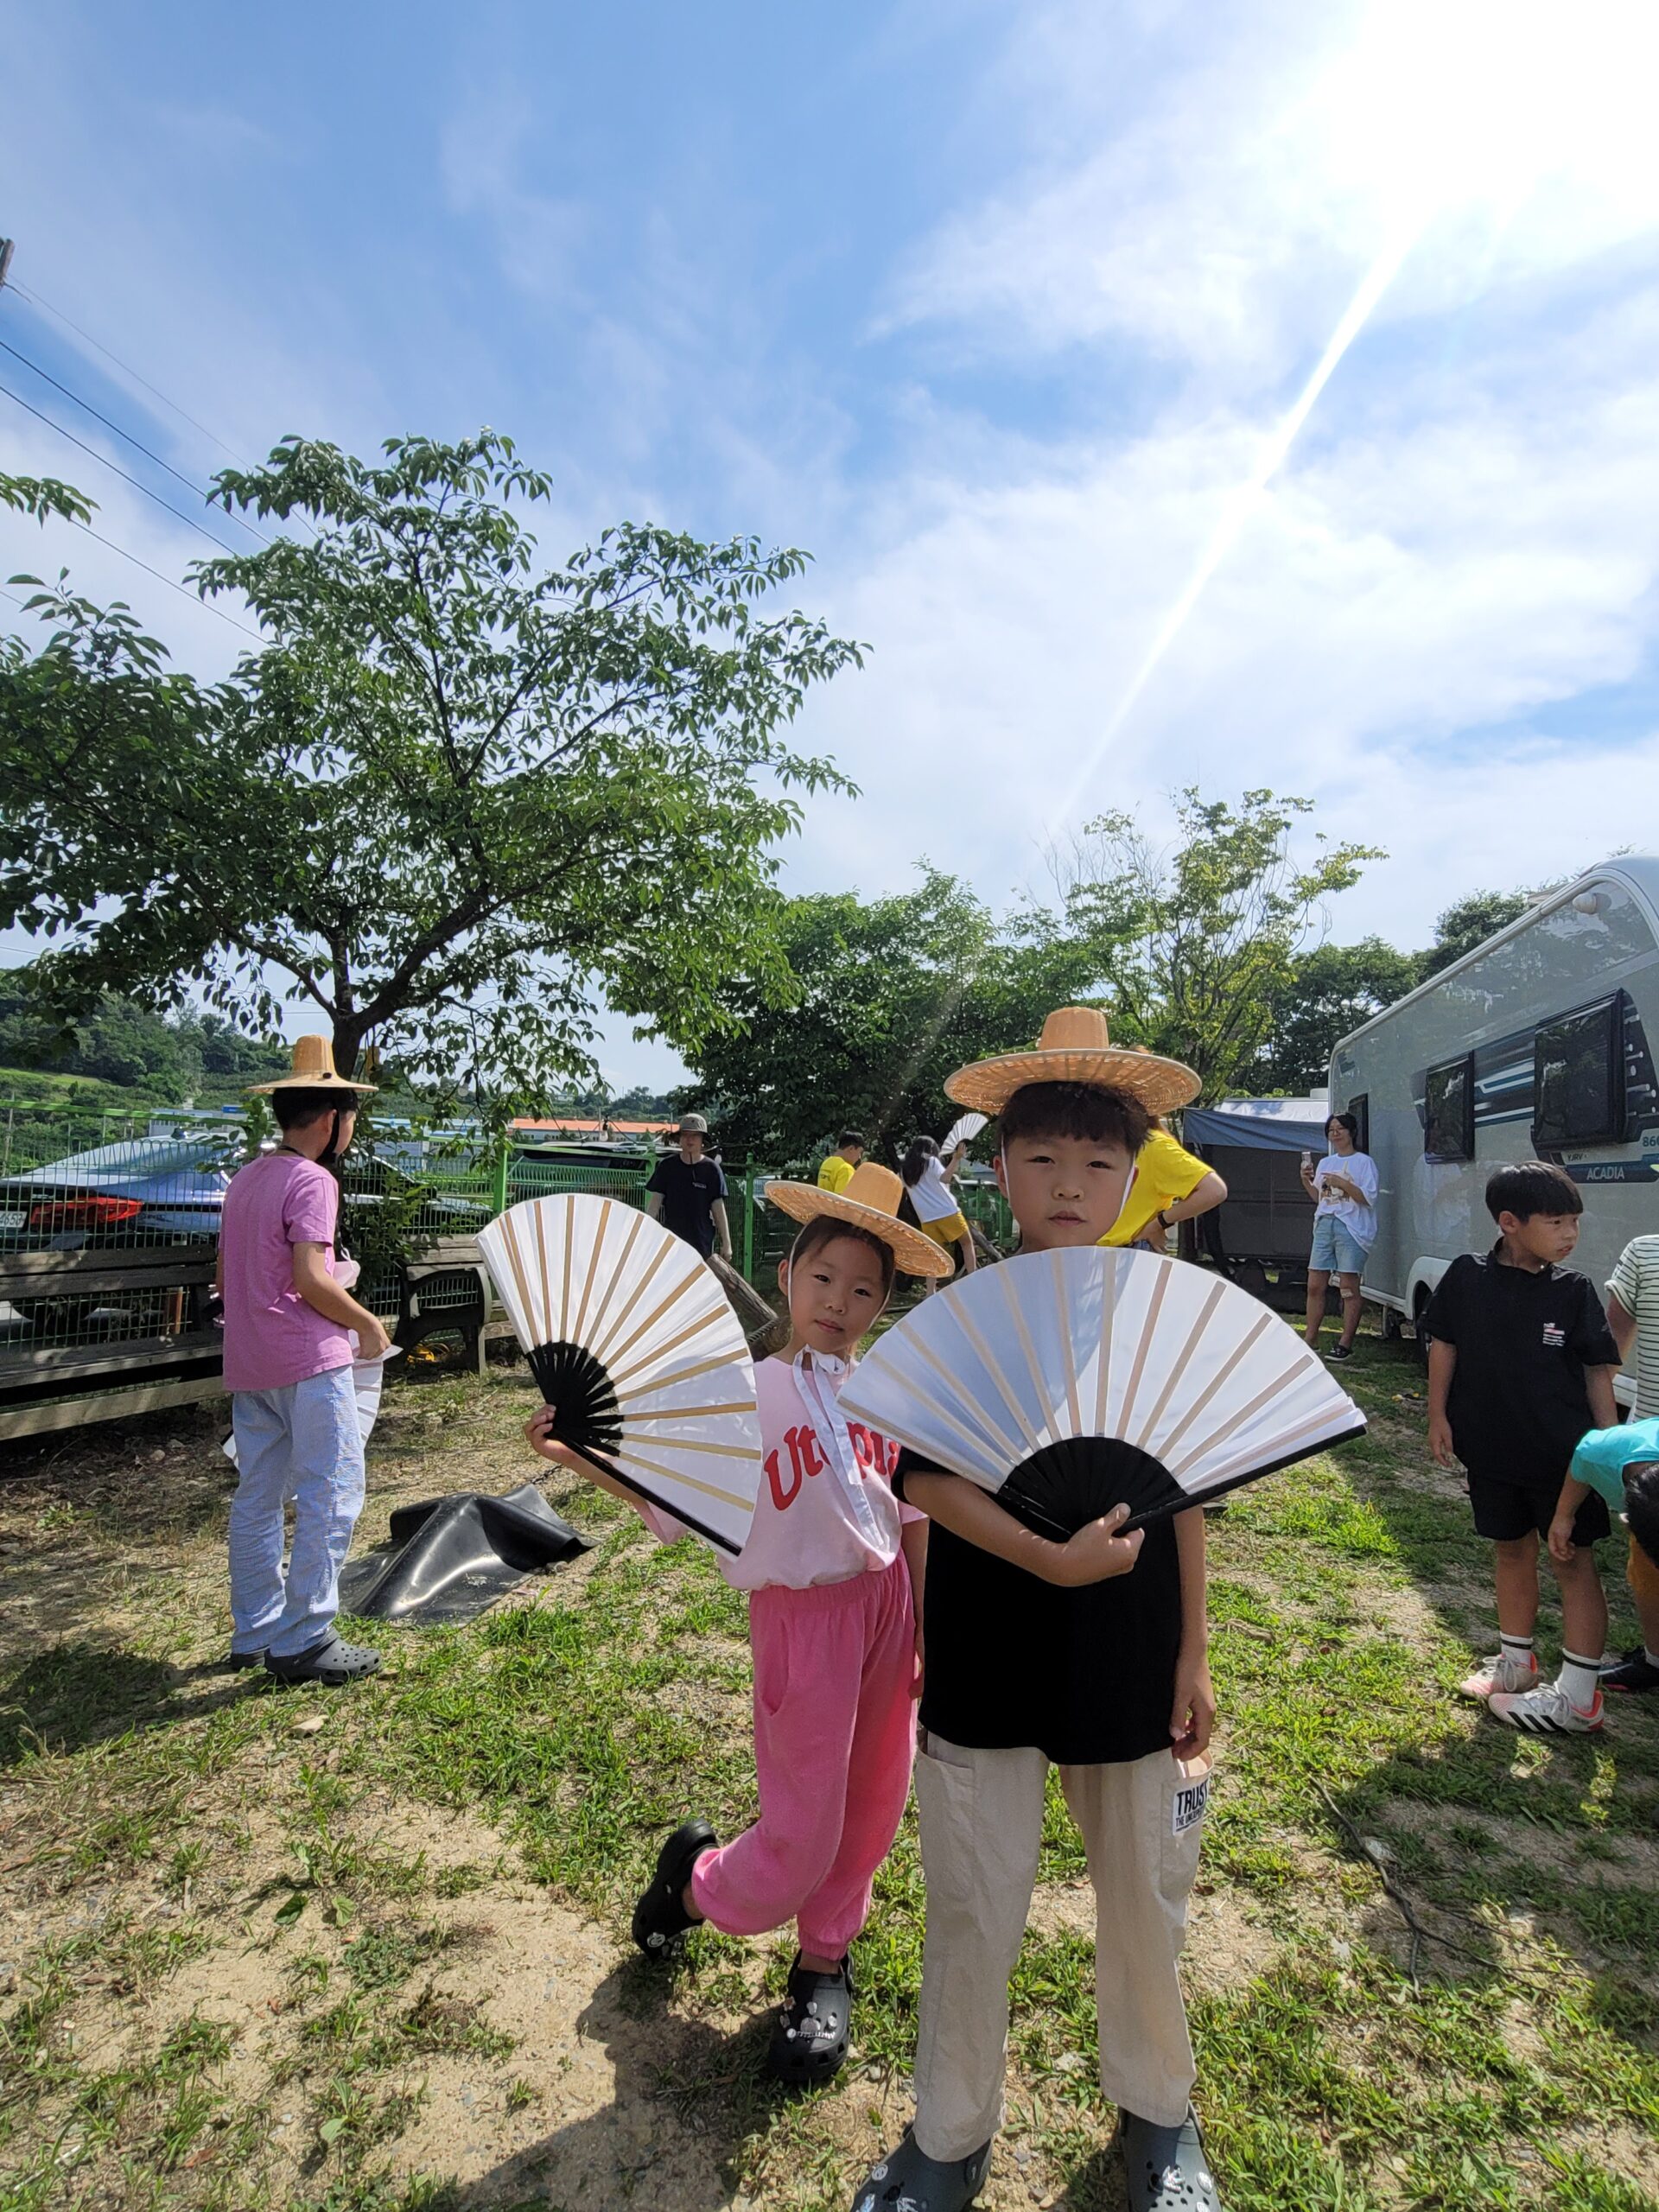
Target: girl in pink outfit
[(833, 1566)]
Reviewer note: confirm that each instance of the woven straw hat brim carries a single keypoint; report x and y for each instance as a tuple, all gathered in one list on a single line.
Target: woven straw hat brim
[(915, 1254), (310, 1083), (1159, 1085)]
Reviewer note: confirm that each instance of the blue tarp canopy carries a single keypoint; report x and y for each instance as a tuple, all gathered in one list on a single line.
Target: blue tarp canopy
[(1257, 1125)]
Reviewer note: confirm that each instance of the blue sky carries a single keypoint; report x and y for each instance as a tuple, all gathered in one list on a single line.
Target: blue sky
[(1001, 310)]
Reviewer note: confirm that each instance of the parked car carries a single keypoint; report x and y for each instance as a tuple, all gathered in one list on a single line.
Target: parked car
[(146, 1191)]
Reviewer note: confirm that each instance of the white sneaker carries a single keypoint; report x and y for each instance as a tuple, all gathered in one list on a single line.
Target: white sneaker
[(1503, 1671), (1547, 1711)]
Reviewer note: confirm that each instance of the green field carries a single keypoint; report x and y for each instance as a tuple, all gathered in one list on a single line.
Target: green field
[(380, 1960)]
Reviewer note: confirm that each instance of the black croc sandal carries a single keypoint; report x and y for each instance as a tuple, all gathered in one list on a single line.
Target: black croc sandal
[(809, 2037), (239, 1662), (907, 2181), (1165, 2169), (331, 1662), (659, 1918)]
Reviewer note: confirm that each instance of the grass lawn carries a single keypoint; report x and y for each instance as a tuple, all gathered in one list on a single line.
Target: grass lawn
[(368, 1949)]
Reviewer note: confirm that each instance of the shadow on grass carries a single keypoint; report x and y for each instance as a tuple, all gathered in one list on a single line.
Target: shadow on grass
[(77, 1694)]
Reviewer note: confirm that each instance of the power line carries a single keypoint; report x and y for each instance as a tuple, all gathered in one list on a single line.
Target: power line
[(35, 301), (171, 581), (136, 483), (138, 442)]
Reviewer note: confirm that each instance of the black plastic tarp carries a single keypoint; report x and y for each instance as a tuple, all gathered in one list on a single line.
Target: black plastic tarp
[(450, 1558)]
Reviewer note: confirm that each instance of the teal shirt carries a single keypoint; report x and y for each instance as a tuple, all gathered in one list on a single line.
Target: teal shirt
[(1603, 1456)]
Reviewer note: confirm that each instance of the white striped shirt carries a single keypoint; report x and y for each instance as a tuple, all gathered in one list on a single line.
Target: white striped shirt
[(1635, 1283)]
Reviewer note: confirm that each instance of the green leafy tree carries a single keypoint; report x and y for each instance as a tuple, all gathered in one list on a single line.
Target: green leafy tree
[(1194, 946), (1470, 922), (888, 996), (1328, 992), (453, 805)]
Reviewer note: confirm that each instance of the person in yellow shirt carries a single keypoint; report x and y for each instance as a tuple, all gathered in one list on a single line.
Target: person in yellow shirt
[(836, 1172), (1170, 1185)]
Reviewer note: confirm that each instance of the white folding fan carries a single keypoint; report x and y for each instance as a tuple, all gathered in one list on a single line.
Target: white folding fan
[(1070, 1382), (632, 1341), (963, 1130)]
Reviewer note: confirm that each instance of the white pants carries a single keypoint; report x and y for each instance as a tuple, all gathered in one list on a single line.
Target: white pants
[(301, 1442), (981, 1814)]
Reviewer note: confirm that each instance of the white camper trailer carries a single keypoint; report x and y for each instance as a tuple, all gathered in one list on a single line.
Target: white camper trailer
[(1533, 1047)]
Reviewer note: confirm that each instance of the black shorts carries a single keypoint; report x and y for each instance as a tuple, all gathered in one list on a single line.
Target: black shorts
[(1505, 1509)]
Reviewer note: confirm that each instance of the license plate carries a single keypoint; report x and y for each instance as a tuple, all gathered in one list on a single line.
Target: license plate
[(15, 1220)]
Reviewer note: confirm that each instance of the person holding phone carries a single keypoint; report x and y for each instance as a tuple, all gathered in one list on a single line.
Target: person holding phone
[(1343, 1188)]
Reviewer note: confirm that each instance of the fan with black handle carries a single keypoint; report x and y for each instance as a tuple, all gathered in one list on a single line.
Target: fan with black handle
[(633, 1343), (1067, 1383)]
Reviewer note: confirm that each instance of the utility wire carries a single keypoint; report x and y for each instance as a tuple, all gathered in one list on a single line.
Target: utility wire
[(35, 301), (172, 582), (136, 483), (136, 442)]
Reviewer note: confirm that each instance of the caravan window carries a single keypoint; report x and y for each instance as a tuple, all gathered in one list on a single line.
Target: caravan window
[(1360, 1108), (1578, 1077), (1449, 1110)]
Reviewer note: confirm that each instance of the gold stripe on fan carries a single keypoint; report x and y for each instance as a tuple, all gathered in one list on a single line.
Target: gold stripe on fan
[(605, 1206), (1221, 1374), (1121, 1425), (687, 1286), (553, 1323), (691, 1413), (669, 1244), (619, 1273), (1103, 1358), (564, 1296), (1147, 1426), (627, 1459), (1039, 1381), (1073, 1403), (1006, 1448), (965, 1322), (510, 1234), (691, 1444), (1239, 1416), (1282, 1447), (680, 1375)]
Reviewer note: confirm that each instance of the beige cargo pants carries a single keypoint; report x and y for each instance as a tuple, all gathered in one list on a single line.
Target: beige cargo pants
[(981, 1814)]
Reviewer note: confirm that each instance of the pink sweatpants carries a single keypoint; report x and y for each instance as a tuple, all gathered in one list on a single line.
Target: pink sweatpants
[(834, 1730)]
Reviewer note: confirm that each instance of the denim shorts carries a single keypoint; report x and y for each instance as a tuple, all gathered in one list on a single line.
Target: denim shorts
[(1335, 1247)]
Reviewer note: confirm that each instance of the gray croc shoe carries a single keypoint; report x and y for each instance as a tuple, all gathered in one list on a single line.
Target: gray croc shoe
[(907, 2181), (331, 1662), (1165, 2169)]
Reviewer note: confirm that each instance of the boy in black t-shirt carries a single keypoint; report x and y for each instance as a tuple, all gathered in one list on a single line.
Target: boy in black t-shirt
[(1521, 1363), (1040, 1653)]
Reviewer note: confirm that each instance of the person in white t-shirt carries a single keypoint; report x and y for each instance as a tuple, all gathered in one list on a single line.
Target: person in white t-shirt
[(934, 1201), (1343, 1186)]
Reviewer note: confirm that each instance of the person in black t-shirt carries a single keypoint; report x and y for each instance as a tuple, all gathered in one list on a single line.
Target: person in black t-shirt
[(1521, 1363), (1089, 1655), (687, 1192)]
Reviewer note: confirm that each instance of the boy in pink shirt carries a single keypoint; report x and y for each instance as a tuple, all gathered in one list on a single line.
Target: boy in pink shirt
[(288, 1366)]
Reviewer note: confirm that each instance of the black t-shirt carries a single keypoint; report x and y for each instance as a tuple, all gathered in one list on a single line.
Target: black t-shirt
[(1518, 1403), (689, 1189), (1086, 1675)]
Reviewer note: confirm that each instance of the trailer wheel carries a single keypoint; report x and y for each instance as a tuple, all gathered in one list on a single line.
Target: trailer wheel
[(1418, 1309)]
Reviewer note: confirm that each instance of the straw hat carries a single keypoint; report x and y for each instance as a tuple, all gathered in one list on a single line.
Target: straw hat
[(1074, 1047), (314, 1069), (870, 1201)]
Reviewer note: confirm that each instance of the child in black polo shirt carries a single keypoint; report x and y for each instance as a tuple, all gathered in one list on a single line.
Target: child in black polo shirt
[(1091, 1655), (1521, 1363)]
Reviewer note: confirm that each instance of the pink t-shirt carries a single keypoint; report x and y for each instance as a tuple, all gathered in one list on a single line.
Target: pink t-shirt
[(826, 1510), (272, 1337)]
